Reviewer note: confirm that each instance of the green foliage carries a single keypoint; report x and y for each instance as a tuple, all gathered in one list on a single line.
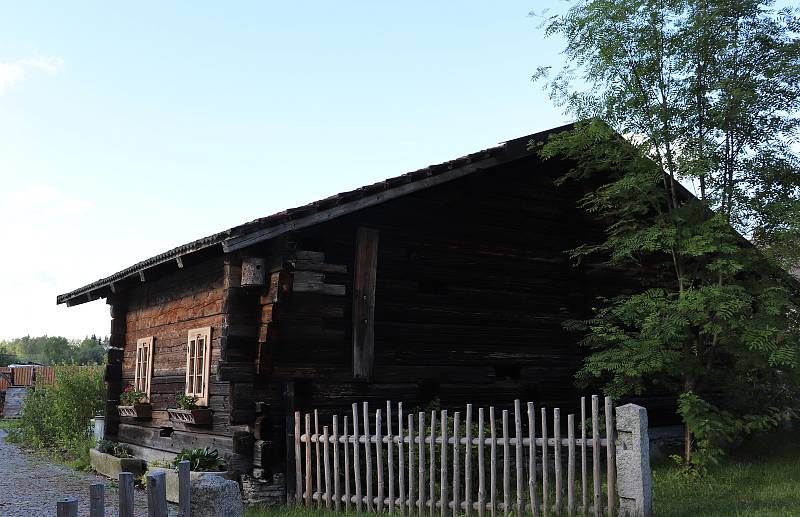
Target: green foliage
[(707, 95), (56, 418), (52, 350), (185, 401), (131, 396), (119, 450), (200, 460)]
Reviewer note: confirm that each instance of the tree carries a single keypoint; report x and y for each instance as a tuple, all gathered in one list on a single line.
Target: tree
[(706, 93)]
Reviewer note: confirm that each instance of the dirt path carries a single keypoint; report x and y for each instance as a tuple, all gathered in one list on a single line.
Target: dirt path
[(30, 486)]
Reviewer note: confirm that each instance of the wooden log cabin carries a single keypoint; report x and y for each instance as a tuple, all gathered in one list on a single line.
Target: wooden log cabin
[(449, 283)]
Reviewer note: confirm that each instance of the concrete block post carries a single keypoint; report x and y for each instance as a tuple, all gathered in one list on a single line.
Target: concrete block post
[(634, 480)]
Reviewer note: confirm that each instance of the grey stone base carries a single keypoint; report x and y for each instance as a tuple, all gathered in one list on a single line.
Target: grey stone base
[(264, 492)]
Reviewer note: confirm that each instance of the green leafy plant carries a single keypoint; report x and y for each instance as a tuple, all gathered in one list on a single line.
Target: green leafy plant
[(116, 449), (703, 95), (131, 396), (200, 460), (56, 418), (185, 401)]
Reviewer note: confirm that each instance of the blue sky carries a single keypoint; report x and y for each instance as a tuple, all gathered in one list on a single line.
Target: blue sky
[(128, 129)]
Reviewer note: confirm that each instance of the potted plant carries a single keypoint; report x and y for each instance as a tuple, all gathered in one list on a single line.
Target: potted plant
[(110, 458), (188, 412), (202, 463), (133, 402)]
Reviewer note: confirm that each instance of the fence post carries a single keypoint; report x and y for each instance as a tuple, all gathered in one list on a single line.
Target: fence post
[(125, 494), (67, 507), (634, 482), (157, 494), (97, 500), (184, 488)]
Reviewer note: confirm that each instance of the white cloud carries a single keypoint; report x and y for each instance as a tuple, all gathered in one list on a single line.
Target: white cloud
[(14, 72)]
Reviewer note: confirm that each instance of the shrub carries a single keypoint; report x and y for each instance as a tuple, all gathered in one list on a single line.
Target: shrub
[(119, 450), (56, 418)]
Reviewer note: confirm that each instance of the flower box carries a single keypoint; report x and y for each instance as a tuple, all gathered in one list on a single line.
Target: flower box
[(110, 466), (172, 479), (138, 411), (196, 416)]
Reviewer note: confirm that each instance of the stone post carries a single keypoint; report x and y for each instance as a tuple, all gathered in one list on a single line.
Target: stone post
[(634, 482)]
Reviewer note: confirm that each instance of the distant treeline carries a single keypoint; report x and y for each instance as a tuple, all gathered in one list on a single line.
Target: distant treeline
[(51, 350)]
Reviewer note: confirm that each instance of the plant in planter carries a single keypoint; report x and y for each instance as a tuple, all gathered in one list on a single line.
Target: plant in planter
[(202, 463), (200, 460), (110, 458), (188, 412), (133, 403)]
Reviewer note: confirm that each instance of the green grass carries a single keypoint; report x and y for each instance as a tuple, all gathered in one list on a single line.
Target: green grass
[(7, 425), (759, 479)]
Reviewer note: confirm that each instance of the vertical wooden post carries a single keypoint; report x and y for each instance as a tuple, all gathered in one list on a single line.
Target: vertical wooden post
[(506, 467), (432, 467), (184, 488), (611, 488), (401, 459), (364, 279), (125, 494), (532, 489), (443, 477), (557, 458), (356, 459), (598, 505), (298, 461), (390, 455), (571, 465), (518, 457), (421, 463), (456, 464), (337, 489), (327, 466), (157, 494), (97, 500), (468, 463), (347, 495), (492, 464), (412, 503), (368, 456), (481, 466), (67, 507), (379, 458), (308, 461), (317, 463), (545, 467), (584, 471)]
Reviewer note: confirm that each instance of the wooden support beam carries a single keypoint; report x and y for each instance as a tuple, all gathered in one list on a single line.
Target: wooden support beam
[(364, 302), (141, 275), (179, 261)]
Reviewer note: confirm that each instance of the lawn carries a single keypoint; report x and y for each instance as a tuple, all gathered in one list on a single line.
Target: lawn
[(759, 479)]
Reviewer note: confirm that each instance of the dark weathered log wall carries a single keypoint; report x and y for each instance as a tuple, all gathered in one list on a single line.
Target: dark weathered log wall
[(473, 286)]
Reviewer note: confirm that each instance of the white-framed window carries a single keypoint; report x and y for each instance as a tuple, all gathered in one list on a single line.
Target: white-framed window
[(144, 365), (198, 364)]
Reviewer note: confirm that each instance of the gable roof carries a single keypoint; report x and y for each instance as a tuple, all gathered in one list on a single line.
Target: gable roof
[(274, 225)]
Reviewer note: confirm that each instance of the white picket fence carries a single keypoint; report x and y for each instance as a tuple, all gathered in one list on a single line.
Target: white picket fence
[(374, 469)]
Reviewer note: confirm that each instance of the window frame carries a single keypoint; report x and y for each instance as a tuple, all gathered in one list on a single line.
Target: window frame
[(143, 371), (192, 363)]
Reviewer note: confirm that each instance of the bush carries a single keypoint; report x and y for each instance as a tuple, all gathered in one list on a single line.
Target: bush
[(119, 450), (200, 460), (56, 418)]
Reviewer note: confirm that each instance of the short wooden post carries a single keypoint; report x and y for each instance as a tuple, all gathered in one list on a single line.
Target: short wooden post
[(67, 507), (125, 494), (184, 485), (157, 494), (97, 500), (298, 461), (634, 482)]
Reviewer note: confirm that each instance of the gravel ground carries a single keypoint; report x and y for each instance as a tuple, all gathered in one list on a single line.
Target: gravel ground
[(31, 485)]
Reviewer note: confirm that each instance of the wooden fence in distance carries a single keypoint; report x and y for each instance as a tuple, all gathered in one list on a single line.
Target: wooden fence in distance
[(430, 467)]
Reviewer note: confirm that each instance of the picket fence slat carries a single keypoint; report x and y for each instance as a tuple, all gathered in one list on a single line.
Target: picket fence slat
[(433, 468)]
